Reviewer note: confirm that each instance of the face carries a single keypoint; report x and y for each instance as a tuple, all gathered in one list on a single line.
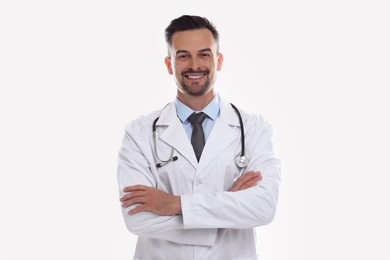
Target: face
[(194, 61)]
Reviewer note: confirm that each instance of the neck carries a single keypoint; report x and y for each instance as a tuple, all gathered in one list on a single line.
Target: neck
[(196, 103)]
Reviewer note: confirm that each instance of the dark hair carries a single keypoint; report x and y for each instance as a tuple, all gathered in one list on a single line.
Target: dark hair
[(190, 22)]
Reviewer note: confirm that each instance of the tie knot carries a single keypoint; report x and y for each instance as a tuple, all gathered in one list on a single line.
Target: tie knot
[(197, 118)]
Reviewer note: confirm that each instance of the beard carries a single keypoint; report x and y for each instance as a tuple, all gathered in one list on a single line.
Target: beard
[(195, 89)]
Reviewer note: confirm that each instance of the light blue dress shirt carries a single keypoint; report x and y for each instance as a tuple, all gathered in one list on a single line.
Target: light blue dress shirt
[(211, 110)]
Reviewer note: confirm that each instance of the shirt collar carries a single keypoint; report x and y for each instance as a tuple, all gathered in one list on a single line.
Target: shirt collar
[(211, 110)]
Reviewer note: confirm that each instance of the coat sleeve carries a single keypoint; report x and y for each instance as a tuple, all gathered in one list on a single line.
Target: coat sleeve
[(134, 169), (243, 209)]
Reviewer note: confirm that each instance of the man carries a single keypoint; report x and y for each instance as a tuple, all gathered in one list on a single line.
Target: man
[(181, 190)]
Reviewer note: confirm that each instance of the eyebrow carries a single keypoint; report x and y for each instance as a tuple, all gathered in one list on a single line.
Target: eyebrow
[(202, 50), (206, 50)]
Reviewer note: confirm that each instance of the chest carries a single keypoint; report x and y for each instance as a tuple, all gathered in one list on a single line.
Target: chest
[(182, 177)]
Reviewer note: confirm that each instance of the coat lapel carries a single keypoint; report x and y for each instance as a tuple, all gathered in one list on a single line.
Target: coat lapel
[(222, 134), (174, 134)]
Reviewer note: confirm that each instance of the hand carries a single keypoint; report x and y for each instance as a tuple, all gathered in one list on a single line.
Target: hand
[(151, 200), (247, 180)]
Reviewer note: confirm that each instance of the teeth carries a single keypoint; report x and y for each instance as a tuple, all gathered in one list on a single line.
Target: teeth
[(195, 77)]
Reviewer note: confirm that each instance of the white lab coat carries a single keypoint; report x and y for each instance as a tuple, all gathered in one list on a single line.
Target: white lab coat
[(215, 224)]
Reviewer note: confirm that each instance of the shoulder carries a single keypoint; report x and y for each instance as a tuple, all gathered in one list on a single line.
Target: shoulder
[(254, 119), (143, 122), (255, 122), (250, 119)]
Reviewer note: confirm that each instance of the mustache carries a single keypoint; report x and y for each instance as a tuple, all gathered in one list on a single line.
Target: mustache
[(195, 71)]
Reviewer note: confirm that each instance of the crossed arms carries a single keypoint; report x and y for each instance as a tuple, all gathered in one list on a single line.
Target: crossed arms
[(195, 218), (161, 203)]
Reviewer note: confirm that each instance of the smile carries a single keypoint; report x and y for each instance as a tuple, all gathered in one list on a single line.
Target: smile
[(194, 76)]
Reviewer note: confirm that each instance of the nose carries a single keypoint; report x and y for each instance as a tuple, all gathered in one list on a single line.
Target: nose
[(195, 63)]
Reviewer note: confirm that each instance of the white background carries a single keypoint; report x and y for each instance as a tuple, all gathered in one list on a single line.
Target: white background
[(74, 73)]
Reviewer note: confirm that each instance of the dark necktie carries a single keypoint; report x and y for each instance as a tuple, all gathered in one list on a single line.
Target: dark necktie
[(197, 137)]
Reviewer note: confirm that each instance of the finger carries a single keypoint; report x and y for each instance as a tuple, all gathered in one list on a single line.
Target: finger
[(249, 184), (246, 177), (138, 200), (245, 181), (246, 185), (131, 195), (237, 184), (234, 188), (135, 188), (136, 210)]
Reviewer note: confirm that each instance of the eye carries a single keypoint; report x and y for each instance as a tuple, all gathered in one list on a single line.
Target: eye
[(182, 56), (205, 55)]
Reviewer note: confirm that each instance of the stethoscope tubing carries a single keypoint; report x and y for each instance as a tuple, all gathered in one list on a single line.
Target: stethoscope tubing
[(239, 160), (241, 128)]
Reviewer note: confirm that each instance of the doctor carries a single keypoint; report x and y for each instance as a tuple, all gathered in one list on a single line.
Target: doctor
[(186, 202)]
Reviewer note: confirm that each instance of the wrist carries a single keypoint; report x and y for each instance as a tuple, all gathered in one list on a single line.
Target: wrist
[(178, 205)]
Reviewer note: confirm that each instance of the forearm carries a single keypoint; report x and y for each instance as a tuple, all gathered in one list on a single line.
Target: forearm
[(247, 208), (165, 223), (169, 228), (229, 210)]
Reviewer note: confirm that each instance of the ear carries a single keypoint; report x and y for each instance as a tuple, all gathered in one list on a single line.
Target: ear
[(169, 65), (219, 61)]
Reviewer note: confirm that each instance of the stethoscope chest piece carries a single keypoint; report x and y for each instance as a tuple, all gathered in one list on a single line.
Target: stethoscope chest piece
[(242, 161)]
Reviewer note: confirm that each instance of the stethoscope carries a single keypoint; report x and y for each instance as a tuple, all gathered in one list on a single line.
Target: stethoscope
[(241, 160)]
